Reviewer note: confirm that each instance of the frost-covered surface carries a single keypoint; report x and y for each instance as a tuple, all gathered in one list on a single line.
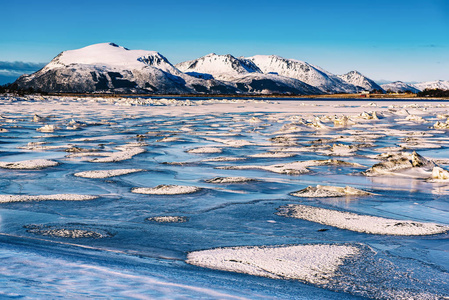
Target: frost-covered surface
[(360, 223), (167, 189), (329, 191), (310, 263), (33, 164), (112, 241), (55, 197), (106, 173)]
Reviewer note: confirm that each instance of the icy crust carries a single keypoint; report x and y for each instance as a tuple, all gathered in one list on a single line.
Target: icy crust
[(271, 155), (48, 128), (106, 173), (315, 264), (55, 197), (229, 180), (168, 219), (295, 168), (360, 223), (403, 163), (329, 191), (169, 189), (124, 154), (439, 175), (33, 164)]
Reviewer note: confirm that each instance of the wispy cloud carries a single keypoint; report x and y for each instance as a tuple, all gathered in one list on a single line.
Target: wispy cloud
[(17, 68)]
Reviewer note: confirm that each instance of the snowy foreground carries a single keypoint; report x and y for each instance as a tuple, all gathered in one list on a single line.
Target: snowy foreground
[(223, 198)]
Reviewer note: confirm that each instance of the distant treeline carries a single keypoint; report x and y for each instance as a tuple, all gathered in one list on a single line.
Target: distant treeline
[(434, 93)]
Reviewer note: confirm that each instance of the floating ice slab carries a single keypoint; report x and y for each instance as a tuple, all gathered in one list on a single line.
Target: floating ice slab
[(229, 180), (405, 164), (72, 233), (205, 150), (124, 154), (33, 164), (55, 197), (106, 173), (168, 219), (169, 189), (295, 168), (329, 191), (48, 128), (311, 263), (360, 223)]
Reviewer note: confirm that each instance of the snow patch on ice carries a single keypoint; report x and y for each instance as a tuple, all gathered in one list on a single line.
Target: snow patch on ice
[(360, 223), (315, 264), (33, 164), (106, 173), (169, 189), (329, 191), (54, 197)]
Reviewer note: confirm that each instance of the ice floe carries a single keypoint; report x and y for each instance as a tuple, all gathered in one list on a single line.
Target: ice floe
[(315, 264), (205, 150), (61, 231), (168, 219), (229, 180), (54, 197), (295, 168), (124, 153), (33, 164), (360, 223), (329, 191), (402, 163), (48, 128), (167, 189), (106, 173)]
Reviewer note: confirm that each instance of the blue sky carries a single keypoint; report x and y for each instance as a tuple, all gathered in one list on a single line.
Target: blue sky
[(393, 40)]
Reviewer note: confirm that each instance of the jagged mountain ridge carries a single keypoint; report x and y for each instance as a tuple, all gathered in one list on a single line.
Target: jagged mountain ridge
[(399, 86), (438, 84), (358, 79), (107, 67)]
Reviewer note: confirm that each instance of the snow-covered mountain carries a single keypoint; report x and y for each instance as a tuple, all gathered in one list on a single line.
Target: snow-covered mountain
[(305, 72), (358, 79), (108, 67), (246, 76), (222, 67), (438, 84), (399, 86)]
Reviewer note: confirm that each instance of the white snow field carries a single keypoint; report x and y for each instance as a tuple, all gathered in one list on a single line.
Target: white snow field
[(223, 198)]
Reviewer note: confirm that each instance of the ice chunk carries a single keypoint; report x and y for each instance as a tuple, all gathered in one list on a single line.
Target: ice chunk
[(168, 219), (48, 128), (360, 223), (106, 173), (399, 163), (54, 197), (295, 168), (33, 164), (315, 264), (329, 191), (204, 150), (73, 233), (169, 189), (229, 180)]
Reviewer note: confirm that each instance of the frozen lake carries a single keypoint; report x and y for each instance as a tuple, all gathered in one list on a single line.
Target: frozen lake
[(118, 198)]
